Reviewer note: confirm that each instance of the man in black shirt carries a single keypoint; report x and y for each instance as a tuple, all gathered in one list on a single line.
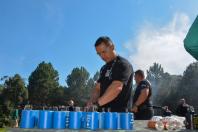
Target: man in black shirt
[(71, 105), (113, 88), (142, 105), (166, 111), (182, 108)]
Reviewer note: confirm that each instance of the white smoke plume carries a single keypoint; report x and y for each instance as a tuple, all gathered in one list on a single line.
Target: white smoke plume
[(163, 45)]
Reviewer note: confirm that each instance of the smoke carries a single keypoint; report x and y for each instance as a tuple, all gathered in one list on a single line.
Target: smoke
[(163, 45)]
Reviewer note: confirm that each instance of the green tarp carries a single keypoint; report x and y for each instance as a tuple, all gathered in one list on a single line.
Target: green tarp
[(191, 40)]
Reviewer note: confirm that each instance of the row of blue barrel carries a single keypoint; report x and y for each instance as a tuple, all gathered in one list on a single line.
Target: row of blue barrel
[(43, 119)]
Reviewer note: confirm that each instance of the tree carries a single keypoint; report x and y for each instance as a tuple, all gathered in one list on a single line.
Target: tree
[(154, 74), (90, 85), (15, 90), (77, 85), (14, 93), (167, 90), (1, 88), (78, 77), (189, 84), (56, 97), (96, 76), (89, 88), (42, 83), (171, 88)]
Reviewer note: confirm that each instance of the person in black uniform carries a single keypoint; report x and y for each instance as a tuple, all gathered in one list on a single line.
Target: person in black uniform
[(166, 111), (142, 105), (71, 105), (182, 108), (113, 88)]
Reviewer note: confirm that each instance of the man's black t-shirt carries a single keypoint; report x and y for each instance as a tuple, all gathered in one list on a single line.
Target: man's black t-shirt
[(142, 85), (182, 110), (117, 70)]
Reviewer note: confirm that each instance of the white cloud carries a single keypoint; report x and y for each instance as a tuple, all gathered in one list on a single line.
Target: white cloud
[(163, 45)]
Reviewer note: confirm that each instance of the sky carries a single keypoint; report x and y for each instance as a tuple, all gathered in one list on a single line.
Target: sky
[(63, 32)]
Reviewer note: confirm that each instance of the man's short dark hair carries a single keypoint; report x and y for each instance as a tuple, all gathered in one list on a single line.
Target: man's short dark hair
[(140, 73), (103, 39)]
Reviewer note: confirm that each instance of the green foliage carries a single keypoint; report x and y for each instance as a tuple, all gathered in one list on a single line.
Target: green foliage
[(79, 85), (189, 84), (3, 129), (96, 76), (43, 81), (5, 112), (164, 86), (155, 72), (15, 90), (78, 77), (167, 91), (56, 97), (171, 88), (1, 88), (154, 75), (13, 93)]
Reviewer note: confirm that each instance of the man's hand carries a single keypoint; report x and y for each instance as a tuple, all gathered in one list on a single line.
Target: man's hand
[(89, 104), (134, 109)]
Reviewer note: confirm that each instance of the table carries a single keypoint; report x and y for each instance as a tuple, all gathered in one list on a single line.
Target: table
[(139, 126)]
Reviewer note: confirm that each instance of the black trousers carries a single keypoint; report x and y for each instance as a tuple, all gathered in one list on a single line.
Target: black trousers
[(144, 114)]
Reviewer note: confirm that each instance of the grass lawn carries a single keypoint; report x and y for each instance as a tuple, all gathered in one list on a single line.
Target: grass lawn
[(2, 129)]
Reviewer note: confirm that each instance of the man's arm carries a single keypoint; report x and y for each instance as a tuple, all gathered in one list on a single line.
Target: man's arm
[(143, 96), (111, 93)]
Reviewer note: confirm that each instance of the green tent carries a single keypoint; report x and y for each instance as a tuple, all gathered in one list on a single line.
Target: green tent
[(191, 40)]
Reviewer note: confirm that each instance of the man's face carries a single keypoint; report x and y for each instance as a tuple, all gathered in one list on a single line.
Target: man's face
[(105, 52), (181, 101), (71, 103), (137, 78)]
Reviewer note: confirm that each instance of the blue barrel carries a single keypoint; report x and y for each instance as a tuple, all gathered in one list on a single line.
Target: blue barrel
[(92, 120), (45, 119), (101, 120), (119, 121), (84, 120), (126, 121), (59, 120), (75, 120), (36, 117), (28, 119), (67, 119), (110, 120)]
